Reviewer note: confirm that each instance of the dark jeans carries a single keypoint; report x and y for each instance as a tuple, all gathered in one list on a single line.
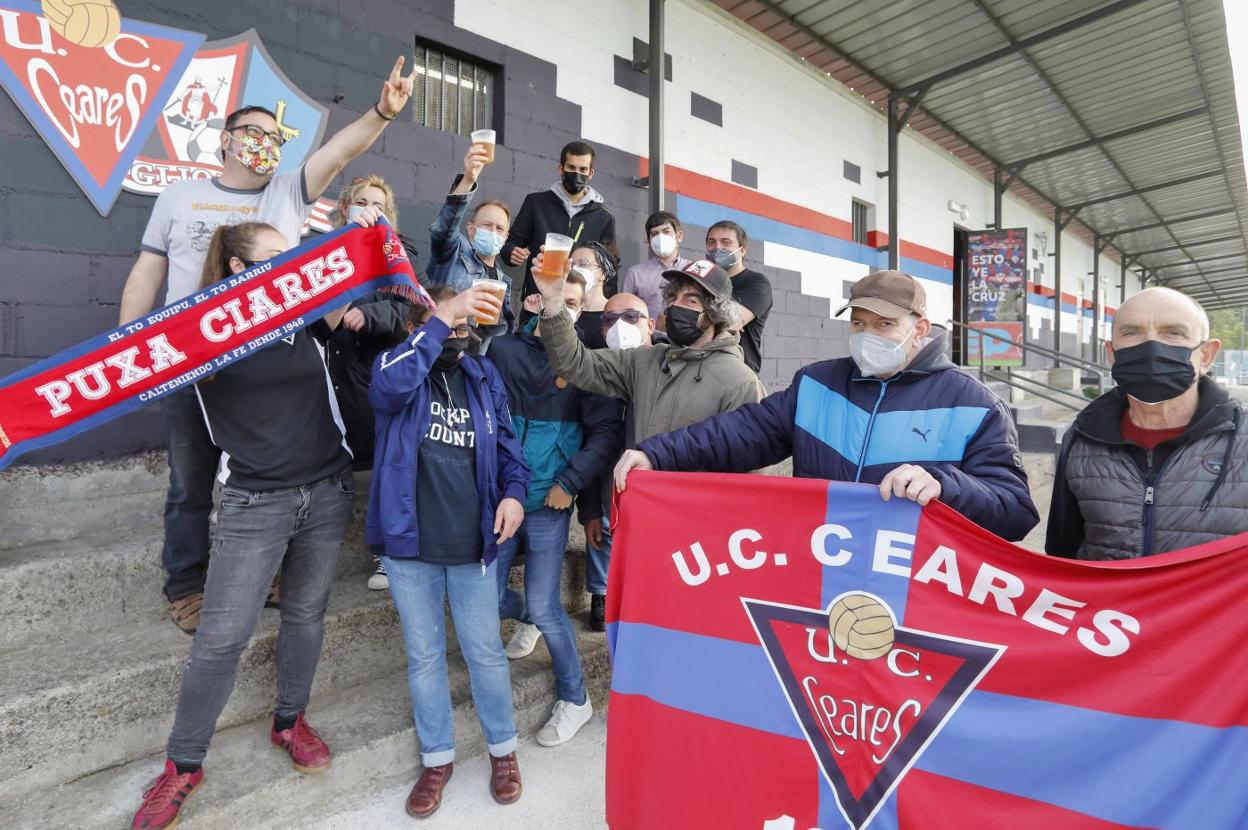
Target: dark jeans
[(299, 529), (193, 461), (545, 537)]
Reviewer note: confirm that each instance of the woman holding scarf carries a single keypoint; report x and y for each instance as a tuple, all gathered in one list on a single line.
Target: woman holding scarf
[(286, 498)]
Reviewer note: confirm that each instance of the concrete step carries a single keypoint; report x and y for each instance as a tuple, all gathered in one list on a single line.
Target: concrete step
[(248, 783), (70, 705), (59, 588), (46, 504), (67, 588), (76, 701)]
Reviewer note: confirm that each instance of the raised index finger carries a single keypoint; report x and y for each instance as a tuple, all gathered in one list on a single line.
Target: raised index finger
[(395, 73)]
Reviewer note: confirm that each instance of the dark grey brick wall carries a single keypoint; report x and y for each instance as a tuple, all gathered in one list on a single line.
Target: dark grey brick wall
[(62, 266)]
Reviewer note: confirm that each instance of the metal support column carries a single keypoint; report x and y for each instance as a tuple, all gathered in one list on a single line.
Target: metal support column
[(1098, 247), (899, 111), (1122, 286), (657, 68), (1061, 218), (1002, 178), (894, 138)]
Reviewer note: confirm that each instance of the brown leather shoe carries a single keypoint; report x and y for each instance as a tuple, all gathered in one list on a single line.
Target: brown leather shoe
[(426, 796), (505, 779)]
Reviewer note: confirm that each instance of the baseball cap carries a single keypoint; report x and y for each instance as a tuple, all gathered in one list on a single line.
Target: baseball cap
[(706, 274), (890, 294)]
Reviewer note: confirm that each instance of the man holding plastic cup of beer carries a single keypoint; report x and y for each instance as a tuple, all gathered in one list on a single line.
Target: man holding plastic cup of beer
[(468, 258)]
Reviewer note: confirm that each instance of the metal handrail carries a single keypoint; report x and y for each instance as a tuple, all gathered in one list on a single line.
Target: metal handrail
[(1032, 347), (1014, 381), (1010, 380)]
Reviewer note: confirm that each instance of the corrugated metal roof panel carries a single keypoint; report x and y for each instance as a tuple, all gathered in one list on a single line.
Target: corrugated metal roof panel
[(1136, 62)]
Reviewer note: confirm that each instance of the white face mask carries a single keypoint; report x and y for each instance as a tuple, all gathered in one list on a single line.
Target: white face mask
[(588, 276), (877, 356), (663, 245), (623, 336)]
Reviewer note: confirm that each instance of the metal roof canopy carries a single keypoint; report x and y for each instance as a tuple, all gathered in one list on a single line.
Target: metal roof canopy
[(1119, 116)]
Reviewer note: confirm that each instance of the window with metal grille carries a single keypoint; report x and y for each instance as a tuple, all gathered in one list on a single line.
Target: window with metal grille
[(861, 221), (452, 94)]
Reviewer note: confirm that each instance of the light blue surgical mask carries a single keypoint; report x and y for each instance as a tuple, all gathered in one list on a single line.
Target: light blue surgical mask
[(487, 243)]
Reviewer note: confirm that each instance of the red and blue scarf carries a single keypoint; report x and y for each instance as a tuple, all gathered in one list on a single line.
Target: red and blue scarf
[(148, 358)]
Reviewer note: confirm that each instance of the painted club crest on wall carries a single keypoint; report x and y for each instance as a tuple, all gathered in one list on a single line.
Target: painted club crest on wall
[(225, 75)]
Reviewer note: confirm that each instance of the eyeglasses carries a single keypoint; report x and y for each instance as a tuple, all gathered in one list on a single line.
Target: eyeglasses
[(256, 131), (632, 317), (462, 330), (586, 263)]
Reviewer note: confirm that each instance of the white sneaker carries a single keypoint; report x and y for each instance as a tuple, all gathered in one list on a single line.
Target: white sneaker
[(565, 721), (523, 641), (379, 581)]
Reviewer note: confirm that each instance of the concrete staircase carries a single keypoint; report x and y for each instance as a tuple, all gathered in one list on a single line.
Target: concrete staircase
[(89, 667)]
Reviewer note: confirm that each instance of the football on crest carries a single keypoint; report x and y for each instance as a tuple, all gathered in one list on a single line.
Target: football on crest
[(90, 23), (861, 626)]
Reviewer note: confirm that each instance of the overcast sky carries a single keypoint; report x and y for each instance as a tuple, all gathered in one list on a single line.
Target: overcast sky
[(1237, 34)]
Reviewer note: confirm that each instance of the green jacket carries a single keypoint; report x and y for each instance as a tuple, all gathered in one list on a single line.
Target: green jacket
[(667, 387)]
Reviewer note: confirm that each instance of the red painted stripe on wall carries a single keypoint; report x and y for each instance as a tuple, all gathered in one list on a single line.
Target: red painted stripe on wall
[(708, 189)]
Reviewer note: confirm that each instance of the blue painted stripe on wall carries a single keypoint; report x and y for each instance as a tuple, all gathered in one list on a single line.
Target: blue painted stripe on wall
[(699, 212), (1138, 771)]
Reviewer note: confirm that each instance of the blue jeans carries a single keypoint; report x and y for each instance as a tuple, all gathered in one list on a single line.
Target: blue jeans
[(420, 593), (193, 460), (297, 528), (598, 560), (545, 537)]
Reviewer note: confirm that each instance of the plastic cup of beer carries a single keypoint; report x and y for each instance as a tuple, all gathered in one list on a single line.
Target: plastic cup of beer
[(555, 254), (499, 289), (486, 139)]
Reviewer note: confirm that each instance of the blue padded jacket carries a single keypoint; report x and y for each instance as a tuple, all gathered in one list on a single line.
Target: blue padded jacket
[(839, 425)]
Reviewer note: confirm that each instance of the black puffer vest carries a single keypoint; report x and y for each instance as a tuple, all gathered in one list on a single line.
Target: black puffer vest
[(1189, 490)]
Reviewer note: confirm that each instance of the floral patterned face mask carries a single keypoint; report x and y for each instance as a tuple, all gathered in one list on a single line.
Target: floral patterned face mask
[(260, 154)]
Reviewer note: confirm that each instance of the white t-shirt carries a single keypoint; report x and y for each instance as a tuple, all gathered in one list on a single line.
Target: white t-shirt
[(188, 212)]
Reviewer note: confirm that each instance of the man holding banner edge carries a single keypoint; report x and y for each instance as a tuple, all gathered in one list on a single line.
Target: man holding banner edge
[(183, 219)]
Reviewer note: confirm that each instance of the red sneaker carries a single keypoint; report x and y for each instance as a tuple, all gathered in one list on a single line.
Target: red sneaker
[(165, 798), (307, 751)]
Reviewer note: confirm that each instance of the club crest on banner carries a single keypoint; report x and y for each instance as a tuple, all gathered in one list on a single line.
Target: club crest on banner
[(224, 75), (869, 695), (94, 106)]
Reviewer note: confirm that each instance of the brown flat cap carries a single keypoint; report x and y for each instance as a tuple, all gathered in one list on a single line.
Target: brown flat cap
[(890, 294)]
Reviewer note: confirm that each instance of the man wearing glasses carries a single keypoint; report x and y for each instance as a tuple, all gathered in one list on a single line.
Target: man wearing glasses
[(174, 246)]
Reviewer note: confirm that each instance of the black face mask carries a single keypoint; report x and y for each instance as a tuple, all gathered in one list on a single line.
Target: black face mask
[(1153, 371), (452, 348), (574, 182), (682, 325)]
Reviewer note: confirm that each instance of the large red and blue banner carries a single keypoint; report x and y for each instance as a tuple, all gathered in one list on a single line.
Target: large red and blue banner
[(792, 654), (186, 341)]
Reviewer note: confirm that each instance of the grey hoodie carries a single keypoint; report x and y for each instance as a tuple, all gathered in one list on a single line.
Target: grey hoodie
[(574, 208)]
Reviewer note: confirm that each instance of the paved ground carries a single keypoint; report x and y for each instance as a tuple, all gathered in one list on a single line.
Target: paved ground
[(563, 790)]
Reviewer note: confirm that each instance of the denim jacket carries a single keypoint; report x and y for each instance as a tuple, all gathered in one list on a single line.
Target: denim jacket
[(451, 258)]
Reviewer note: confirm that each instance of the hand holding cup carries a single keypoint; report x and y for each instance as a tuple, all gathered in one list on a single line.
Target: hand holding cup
[(478, 301)]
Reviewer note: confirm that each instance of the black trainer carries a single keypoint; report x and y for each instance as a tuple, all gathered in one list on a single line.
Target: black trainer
[(598, 612)]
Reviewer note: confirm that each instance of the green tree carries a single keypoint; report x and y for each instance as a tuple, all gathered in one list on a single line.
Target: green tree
[(1227, 325)]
